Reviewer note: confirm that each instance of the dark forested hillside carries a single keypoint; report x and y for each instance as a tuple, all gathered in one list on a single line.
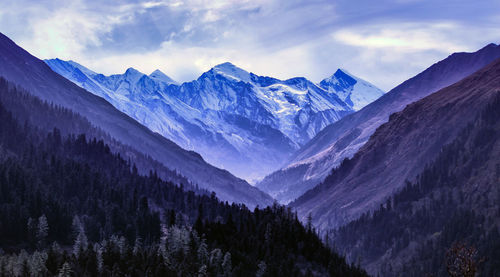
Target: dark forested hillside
[(71, 206), (456, 199), (46, 117)]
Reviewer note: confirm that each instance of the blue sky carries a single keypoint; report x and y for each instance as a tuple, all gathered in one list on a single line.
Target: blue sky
[(384, 41)]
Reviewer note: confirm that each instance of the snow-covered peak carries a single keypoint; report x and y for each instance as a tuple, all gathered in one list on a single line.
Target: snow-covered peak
[(353, 90), (298, 82), (58, 63), (82, 68), (231, 71), (344, 71), (132, 71), (132, 75), (339, 81), (162, 77), (68, 66)]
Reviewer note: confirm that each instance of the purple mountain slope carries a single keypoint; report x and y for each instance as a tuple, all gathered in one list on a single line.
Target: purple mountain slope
[(398, 150)]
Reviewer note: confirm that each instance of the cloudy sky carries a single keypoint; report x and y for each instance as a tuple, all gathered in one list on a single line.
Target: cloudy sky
[(384, 41)]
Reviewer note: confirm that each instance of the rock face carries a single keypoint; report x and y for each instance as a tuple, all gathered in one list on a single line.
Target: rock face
[(247, 124), (32, 74), (398, 150), (342, 139)]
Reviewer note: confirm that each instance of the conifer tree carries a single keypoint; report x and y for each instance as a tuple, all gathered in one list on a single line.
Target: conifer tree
[(227, 267), (42, 230), (65, 270)]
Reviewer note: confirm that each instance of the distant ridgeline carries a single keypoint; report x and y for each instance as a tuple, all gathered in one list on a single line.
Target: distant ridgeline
[(70, 204)]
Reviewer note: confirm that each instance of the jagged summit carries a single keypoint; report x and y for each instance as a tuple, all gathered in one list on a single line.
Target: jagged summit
[(160, 76), (132, 75), (132, 71), (342, 73), (353, 90), (231, 71), (79, 66), (61, 63), (157, 72), (225, 65), (340, 80)]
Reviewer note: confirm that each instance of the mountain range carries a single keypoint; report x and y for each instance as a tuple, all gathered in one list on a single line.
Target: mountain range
[(239, 121), (315, 160), (26, 71)]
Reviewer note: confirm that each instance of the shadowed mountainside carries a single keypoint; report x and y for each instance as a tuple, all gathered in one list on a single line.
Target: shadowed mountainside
[(398, 150)]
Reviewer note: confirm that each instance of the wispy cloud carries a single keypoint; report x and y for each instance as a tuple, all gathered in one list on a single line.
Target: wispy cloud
[(414, 36), (383, 41), (390, 52)]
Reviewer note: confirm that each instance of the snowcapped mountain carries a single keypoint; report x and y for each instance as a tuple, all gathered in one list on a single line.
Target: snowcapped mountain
[(161, 77), (239, 121), (356, 92)]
